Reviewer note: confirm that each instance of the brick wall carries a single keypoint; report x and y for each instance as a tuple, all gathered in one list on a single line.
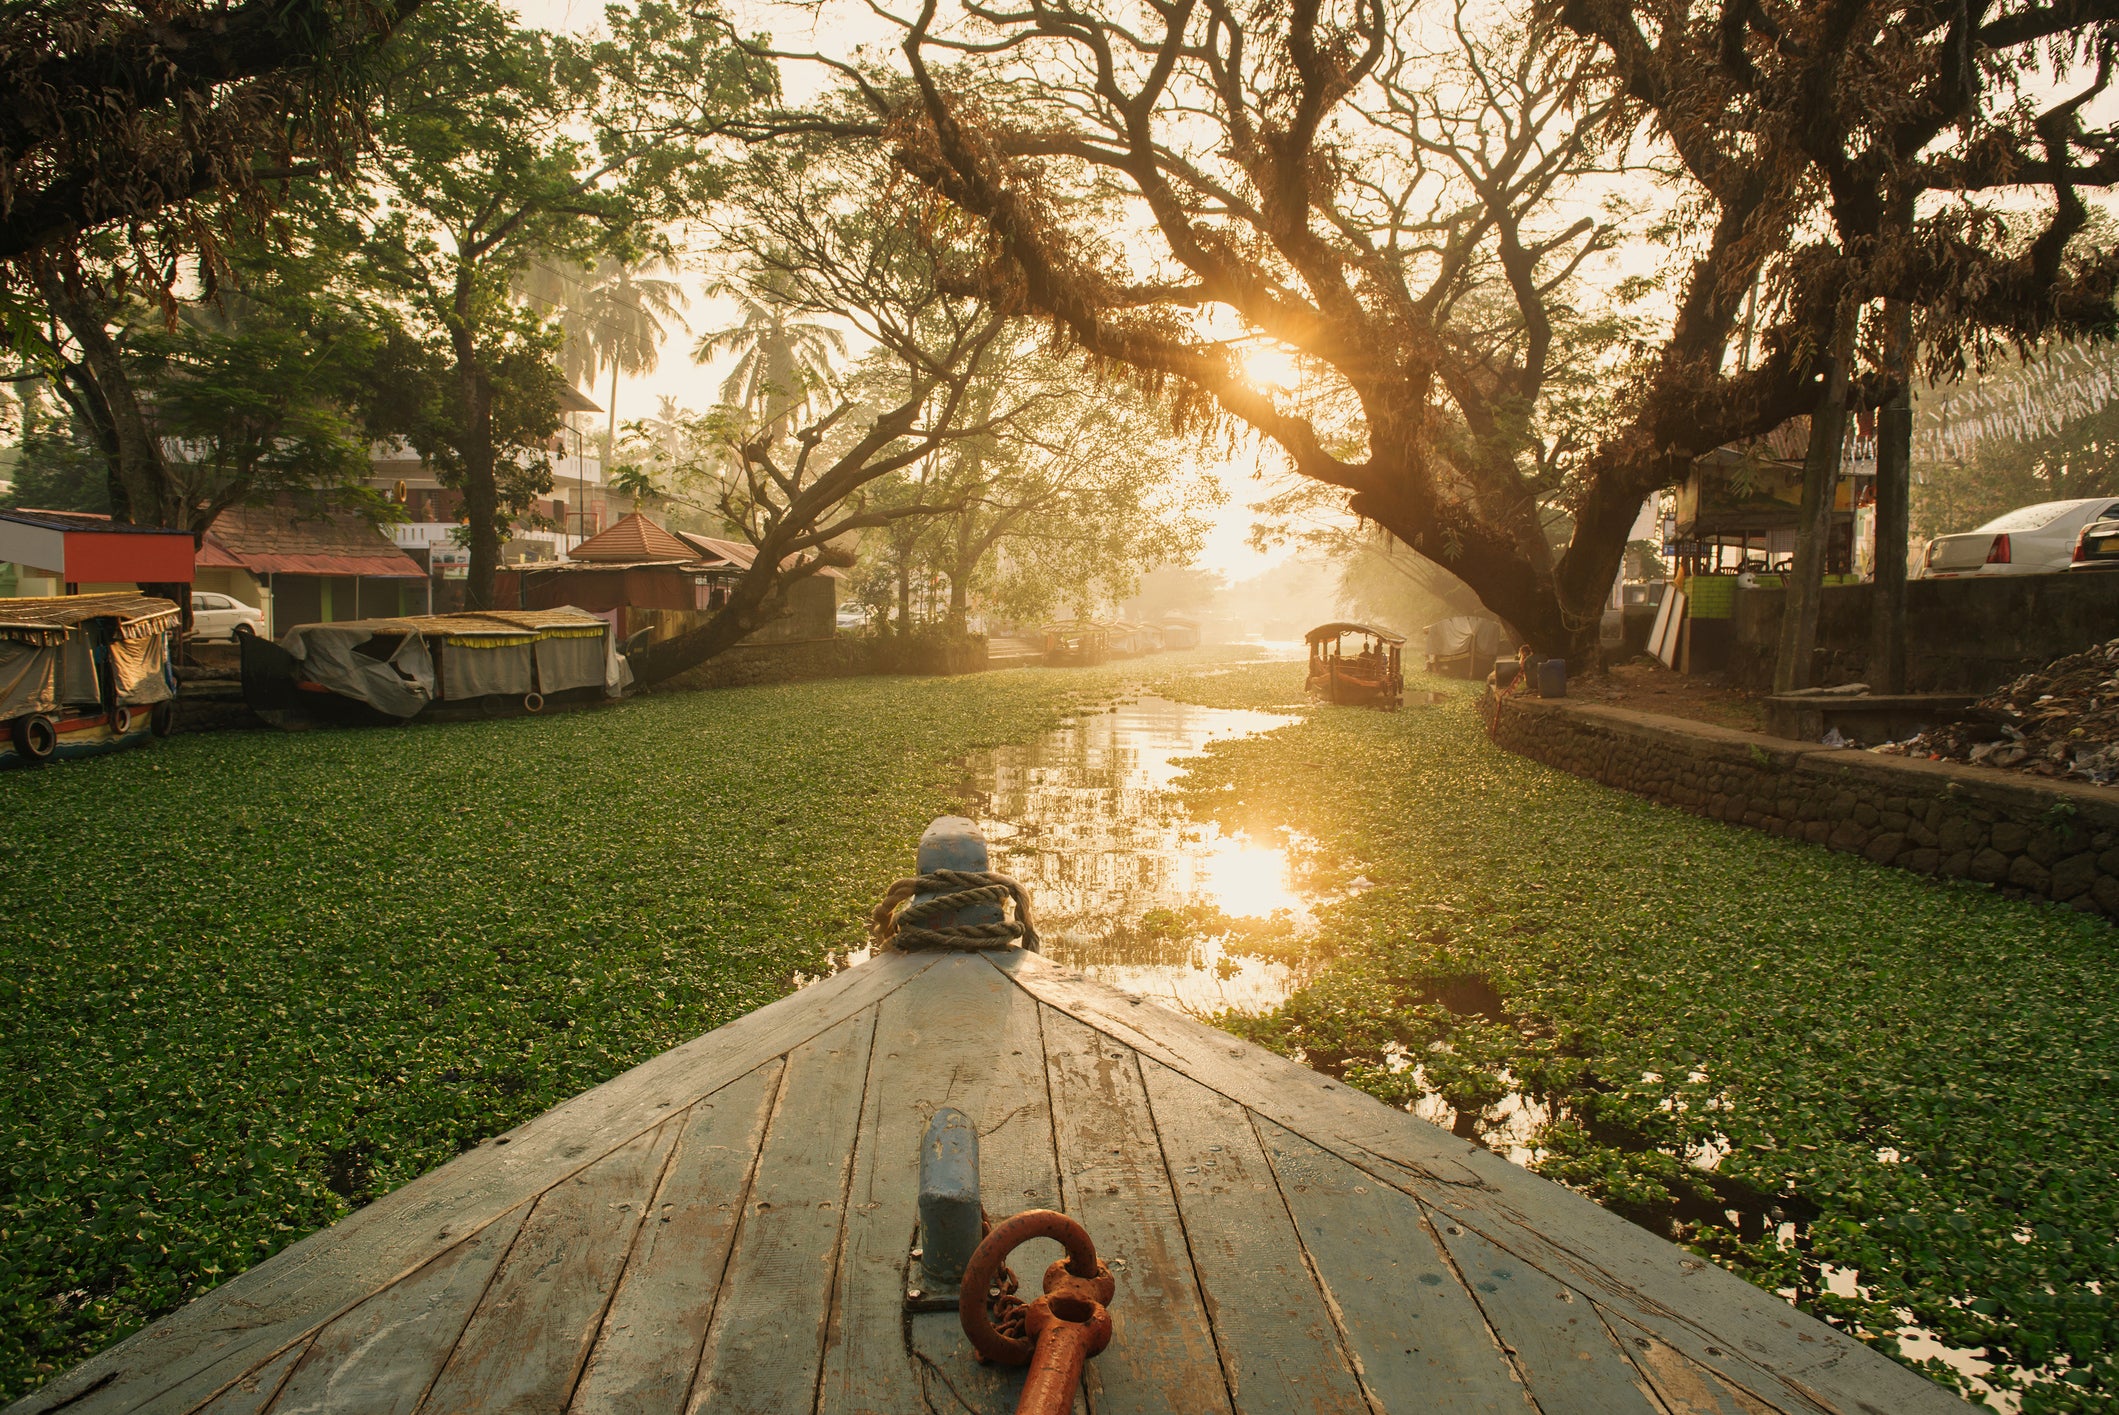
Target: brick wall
[(2053, 840)]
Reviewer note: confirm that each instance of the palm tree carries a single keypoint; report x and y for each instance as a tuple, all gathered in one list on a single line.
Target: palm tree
[(610, 316), (781, 361), (664, 431)]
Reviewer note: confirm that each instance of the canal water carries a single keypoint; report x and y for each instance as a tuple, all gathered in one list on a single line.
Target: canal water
[(1124, 884)]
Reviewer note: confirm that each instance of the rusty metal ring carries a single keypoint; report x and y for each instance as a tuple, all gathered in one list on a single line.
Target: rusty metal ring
[(985, 1264)]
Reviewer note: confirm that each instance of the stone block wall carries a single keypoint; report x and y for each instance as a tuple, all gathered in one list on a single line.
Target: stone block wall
[(2048, 839), (1962, 636)]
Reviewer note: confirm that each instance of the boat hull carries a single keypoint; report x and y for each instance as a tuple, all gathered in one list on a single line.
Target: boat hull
[(84, 735)]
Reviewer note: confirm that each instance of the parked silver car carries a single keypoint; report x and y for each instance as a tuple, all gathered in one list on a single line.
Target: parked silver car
[(218, 616), (2097, 548), (2031, 540)]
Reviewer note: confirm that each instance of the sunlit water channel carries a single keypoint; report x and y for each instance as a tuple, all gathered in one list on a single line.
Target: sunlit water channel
[(1086, 816)]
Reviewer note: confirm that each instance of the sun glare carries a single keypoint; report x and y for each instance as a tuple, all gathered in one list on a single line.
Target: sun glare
[(1246, 880), (1271, 366)]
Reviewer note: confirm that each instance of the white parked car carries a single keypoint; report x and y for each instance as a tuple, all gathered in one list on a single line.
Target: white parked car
[(216, 616), (2032, 540)]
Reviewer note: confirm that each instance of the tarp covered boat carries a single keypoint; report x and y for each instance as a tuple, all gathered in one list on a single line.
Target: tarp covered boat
[(493, 661), (84, 673), (1463, 646)]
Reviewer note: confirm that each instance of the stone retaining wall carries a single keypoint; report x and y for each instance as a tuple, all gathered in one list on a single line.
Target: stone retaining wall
[(2054, 840), (1962, 636)]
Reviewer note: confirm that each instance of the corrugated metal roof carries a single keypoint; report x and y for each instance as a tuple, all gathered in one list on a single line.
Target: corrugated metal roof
[(743, 555), (573, 567), (395, 566), (212, 556), (280, 540), (86, 521)]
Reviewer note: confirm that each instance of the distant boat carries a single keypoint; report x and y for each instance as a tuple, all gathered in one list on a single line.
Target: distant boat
[(736, 1225), (1076, 643), (1371, 677), (392, 670), (86, 673)]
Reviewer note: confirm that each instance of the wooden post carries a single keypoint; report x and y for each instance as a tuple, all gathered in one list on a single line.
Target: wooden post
[(1894, 493), (1805, 581), (954, 843)]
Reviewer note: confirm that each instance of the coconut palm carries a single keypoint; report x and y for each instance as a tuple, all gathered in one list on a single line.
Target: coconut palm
[(611, 315), (781, 361)]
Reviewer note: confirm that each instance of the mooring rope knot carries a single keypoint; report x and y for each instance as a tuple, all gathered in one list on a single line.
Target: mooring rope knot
[(906, 928)]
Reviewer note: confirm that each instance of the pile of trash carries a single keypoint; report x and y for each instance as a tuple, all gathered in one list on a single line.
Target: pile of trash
[(2060, 721)]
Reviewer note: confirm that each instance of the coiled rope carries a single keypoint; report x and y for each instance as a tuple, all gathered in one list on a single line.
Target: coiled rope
[(906, 928)]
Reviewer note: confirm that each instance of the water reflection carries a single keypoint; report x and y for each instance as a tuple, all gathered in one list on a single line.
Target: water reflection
[(1126, 886)]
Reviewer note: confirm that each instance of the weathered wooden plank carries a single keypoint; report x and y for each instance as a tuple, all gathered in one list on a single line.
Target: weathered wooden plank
[(380, 1358), (766, 1339), (1113, 1180), (1709, 1314), (255, 1390), (1420, 1337), (179, 1361), (963, 1036), (1685, 1386), (1738, 1337), (1280, 1347), (951, 1380), (649, 1346), (1562, 1349), (529, 1335), (1272, 1085)]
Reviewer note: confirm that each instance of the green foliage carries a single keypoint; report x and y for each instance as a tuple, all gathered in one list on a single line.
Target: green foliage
[(270, 383), (54, 467), (499, 147), (255, 980), (1927, 1068)]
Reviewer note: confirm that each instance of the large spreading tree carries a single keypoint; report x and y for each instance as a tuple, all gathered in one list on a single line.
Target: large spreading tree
[(1413, 202), (797, 472)]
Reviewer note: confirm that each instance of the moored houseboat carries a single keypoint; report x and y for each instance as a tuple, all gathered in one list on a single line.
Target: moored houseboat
[(1372, 676), (86, 673), (490, 662)]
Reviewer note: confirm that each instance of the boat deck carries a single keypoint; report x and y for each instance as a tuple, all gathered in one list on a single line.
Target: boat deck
[(727, 1228)]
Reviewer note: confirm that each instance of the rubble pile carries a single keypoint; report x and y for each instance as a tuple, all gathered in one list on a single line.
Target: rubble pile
[(2060, 721)]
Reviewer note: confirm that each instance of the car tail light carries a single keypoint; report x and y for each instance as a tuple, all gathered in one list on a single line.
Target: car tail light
[(1999, 553), (2082, 547)]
